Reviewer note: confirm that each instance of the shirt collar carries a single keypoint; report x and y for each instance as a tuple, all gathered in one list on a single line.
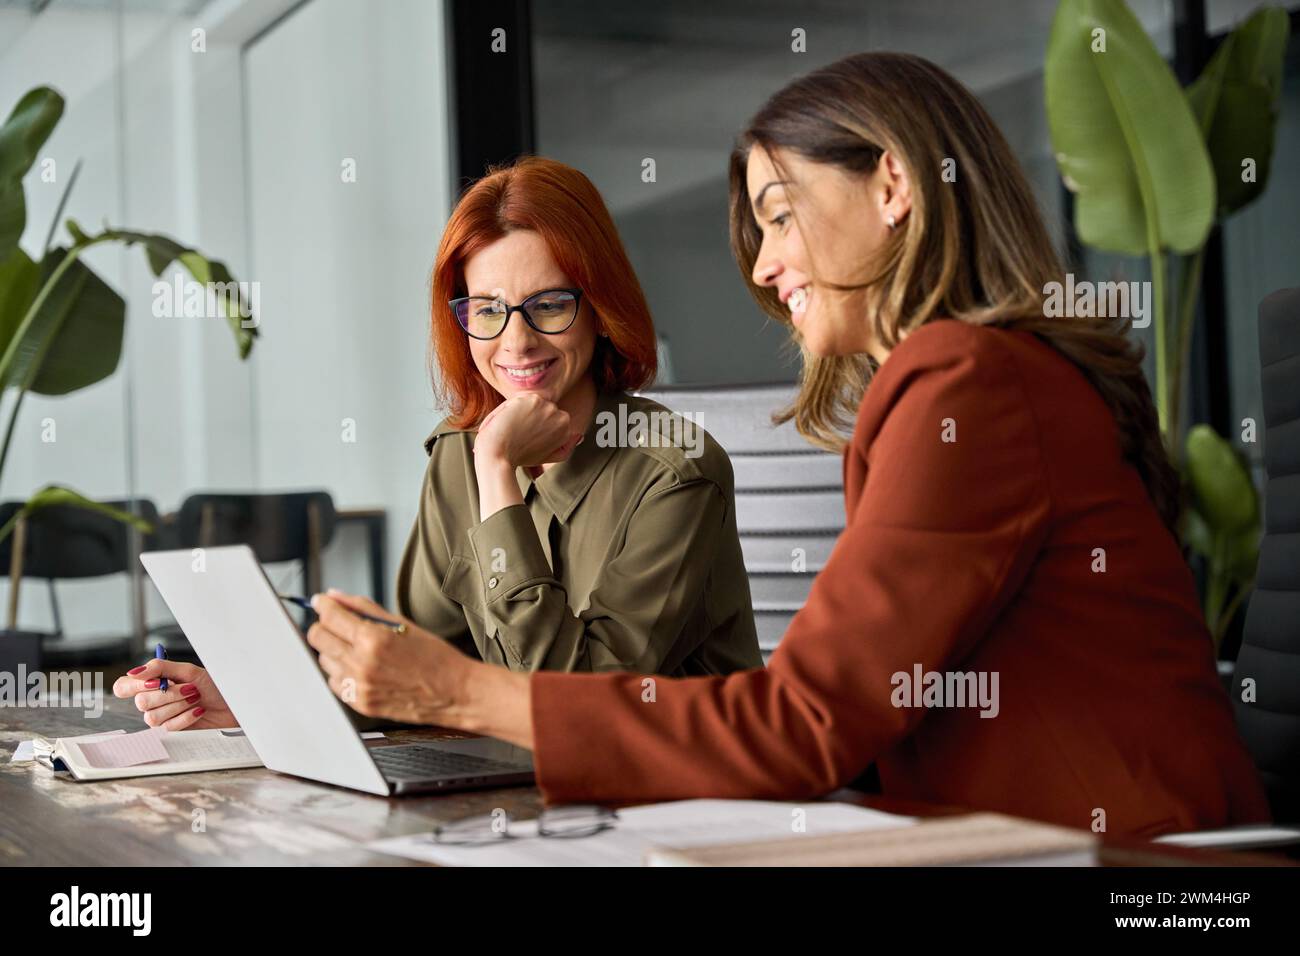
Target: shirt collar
[(445, 428), (563, 486)]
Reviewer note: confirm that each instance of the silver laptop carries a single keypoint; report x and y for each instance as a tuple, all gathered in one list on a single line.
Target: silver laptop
[(268, 674)]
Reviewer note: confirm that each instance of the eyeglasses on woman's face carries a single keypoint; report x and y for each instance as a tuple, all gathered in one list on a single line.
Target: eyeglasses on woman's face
[(550, 312)]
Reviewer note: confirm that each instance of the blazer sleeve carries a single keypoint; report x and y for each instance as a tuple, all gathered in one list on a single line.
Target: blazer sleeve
[(635, 614), (944, 530)]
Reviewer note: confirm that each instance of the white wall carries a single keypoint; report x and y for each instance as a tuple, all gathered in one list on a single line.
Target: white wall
[(236, 150), (344, 266)]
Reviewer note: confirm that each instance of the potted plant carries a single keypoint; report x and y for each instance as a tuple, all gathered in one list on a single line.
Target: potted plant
[(61, 325)]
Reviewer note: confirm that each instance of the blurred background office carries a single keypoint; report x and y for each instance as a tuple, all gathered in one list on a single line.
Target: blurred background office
[(316, 147)]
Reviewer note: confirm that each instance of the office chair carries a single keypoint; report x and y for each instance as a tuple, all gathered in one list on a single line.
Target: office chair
[(63, 542), (293, 526), (279, 527), (1270, 647), (789, 495)]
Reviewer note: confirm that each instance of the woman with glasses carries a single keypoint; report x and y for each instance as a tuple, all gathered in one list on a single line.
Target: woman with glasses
[(546, 538)]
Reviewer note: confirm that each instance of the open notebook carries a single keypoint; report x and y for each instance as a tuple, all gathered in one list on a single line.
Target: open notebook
[(146, 753)]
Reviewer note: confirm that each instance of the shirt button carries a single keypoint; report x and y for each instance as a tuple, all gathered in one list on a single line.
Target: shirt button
[(492, 582)]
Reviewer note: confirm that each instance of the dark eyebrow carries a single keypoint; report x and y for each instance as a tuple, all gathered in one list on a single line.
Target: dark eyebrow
[(758, 200)]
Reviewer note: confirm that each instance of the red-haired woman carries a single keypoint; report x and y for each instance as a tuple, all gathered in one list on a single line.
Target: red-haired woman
[(546, 539)]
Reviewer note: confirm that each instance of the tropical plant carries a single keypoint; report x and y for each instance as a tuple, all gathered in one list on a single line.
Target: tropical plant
[(61, 325), (1154, 169)]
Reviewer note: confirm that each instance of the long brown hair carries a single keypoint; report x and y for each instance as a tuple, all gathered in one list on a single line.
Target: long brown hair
[(973, 249)]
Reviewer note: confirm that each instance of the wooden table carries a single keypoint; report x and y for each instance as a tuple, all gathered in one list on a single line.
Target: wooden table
[(249, 817), (258, 817)]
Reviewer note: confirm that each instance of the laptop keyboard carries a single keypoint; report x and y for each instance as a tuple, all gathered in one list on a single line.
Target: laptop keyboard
[(413, 762)]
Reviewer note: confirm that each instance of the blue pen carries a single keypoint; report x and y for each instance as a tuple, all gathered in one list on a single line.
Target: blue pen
[(160, 654), (305, 603)]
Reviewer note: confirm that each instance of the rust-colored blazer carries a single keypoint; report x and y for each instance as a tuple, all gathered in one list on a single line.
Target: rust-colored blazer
[(993, 529)]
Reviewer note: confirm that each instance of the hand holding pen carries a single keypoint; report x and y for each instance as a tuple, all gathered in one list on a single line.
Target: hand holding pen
[(397, 627)]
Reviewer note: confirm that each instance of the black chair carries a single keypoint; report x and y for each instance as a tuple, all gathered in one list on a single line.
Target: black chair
[(1270, 647), (287, 527), (63, 542)]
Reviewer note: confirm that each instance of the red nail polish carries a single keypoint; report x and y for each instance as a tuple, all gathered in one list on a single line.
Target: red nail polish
[(198, 711), (151, 683), (187, 689), (191, 698), (136, 670)]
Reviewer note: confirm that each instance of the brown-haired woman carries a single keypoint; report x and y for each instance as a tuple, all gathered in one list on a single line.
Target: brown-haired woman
[(545, 539), (1009, 504)]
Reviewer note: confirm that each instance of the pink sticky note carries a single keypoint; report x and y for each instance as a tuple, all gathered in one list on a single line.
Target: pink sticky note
[(125, 750)]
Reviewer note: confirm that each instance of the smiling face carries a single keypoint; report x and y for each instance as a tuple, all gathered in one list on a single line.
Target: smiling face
[(521, 359), (842, 217)]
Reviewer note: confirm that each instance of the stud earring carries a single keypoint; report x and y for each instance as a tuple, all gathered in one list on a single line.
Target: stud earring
[(891, 221)]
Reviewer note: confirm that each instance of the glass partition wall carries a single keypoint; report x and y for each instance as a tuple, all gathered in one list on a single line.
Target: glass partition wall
[(306, 146), (622, 89)]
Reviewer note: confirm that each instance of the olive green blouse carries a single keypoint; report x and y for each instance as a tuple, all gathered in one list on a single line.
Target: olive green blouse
[(623, 557)]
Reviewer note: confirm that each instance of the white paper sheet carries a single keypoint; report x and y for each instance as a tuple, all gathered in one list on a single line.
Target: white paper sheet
[(677, 824), (1258, 835), (26, 751)]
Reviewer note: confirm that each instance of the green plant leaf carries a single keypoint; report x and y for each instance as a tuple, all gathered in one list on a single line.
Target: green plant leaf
[(24, 132), (1197, 533), (19, 278), (26, 129), (1236, 102), (1224, 494), (162, 251), (1125, 139), (13, 215), (88, 345), (75, 339), (53, 495), (1243, 555)]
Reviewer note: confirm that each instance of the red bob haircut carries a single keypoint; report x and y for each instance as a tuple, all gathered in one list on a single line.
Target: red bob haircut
[(562, 206)]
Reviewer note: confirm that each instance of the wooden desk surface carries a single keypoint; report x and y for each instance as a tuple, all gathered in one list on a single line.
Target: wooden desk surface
[(258, 817), (252, 817)]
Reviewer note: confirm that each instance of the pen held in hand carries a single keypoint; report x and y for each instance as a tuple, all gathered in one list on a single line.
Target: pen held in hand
[(305, 603)]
